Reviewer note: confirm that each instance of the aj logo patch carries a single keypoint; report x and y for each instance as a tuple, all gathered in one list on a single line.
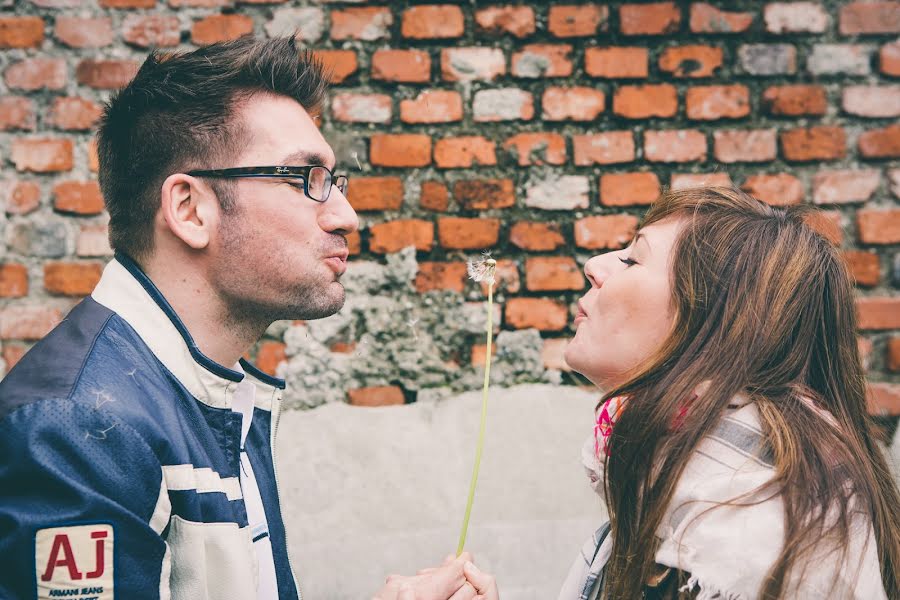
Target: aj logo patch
[(74, 562)]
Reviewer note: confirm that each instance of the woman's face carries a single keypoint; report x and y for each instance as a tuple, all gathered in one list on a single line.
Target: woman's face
[(627, 314)]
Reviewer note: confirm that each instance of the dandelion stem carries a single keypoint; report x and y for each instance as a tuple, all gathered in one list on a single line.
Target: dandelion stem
[(484, 399)]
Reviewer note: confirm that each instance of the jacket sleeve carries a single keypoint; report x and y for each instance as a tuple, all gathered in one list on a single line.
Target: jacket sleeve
[(82, 505)]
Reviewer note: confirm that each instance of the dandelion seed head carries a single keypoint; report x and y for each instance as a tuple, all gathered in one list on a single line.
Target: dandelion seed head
[(482, 269)]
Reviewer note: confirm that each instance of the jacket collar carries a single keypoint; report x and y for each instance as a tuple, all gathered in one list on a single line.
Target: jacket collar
[(126, 290)]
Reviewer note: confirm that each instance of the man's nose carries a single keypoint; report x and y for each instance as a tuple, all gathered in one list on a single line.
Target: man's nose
[(338, 215)]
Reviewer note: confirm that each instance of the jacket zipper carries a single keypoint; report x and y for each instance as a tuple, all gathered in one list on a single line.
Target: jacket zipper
[(277, 417)]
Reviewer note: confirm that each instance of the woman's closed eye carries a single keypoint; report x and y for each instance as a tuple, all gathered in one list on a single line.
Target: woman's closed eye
[(628, 261)]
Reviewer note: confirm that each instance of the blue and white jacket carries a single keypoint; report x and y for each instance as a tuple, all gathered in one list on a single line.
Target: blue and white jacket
[(119, 459)]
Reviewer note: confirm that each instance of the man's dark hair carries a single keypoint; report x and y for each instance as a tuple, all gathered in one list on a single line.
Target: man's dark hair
[(177, 114)]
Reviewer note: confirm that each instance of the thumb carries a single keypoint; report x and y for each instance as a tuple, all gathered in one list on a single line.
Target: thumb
[(482, 582)]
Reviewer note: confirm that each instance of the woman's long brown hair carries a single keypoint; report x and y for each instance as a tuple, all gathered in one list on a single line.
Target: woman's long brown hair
[(763, 306)]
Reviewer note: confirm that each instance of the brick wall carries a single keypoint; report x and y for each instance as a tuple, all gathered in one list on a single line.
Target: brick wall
[(538, 130)]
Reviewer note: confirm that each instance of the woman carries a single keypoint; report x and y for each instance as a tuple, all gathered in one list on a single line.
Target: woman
[(732, 445)]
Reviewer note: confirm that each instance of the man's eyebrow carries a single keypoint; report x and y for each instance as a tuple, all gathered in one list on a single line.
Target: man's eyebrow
[(302, 158)]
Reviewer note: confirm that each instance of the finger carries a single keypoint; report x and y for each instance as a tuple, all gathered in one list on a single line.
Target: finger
[(449, 559), (466, 592), (406, 593), (483, 582), (444, 581), (426, 571), (392, 577)]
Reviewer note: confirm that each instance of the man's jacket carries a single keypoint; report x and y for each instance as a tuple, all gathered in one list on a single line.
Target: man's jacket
[(119, 459)]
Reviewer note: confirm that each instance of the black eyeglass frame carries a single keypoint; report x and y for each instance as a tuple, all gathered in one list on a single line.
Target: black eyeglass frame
[(278, 172)]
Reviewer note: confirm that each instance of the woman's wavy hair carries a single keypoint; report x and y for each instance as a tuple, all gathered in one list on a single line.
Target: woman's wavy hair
[(763, 306)]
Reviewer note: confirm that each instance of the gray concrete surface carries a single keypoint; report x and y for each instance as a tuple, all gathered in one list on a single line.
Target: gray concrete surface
[(372, 491)]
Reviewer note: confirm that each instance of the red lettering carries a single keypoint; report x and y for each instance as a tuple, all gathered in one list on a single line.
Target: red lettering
[(98, 571), (61, 543)]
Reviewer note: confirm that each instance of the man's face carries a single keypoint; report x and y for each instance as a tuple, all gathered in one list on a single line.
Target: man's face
[(279, 254)]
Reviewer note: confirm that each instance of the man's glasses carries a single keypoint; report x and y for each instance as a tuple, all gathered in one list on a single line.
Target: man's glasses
[(317, 180)]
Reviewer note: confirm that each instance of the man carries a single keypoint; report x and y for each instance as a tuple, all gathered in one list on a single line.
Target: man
[(136, 446)]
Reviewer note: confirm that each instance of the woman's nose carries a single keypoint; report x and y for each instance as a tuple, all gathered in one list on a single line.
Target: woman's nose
[(594, 271)]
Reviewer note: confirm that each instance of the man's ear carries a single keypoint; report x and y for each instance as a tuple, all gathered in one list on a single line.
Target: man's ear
[(190, 209)]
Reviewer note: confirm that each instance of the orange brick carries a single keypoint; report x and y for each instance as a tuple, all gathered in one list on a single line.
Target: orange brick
[(339, 64), (684, 145), (883, 399), (780, 189), (27, 322), (870, 18), (706, 18), (616, 62), (92, 156), (13, 280), (517, 21), (134, 3), (536, 235), (432, 106), (393, 236), (376, 193), (17, 112), (472, 64), (645, 101), (484, 194), (627, 189), (354, 243), (408, 66), (502, 104), (436, 21), (795, 100), (878, 313), (893, 354), (878, 226), (220, 28), (343, 347), (506, 277), (367, 23), (864, 267), (576, 20), (151, 31), (828, 224), (880, 143), (459, 152), (42, 155), (434, 196), (21, 32), (71, 279), (691, 61), (889, 59), (685, 181), (843, 186), (874, 101), (712, 102), (553, 354), (479, 354), (12, 354), (24, 197), (649, 19), (78, 197), (269, 356), (572, 104), (441, 276), (814, 143), (552, 273), (605, 232), (383, 395), (78, 32), (400, 150), (361, 108), (106, 74), (533, 148), (460, 233), (540, 313), (73, 113), (542, 60), (603, 148), (744, 145), (36, 73)]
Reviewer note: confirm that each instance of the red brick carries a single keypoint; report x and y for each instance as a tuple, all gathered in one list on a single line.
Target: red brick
[(649, 19), (780, 189), (685, 181), (339, 64), (12, 354), (441, 276), (361, 108), (77, 32), (840, 187), (712, 102), (17, 112), (645, 101), (795, 100), (441, 21), (33, 74), (460, 233), (92, 156), (434, 196), (576, 20), (814, 143), (883, 399), (472, 63), (269, 356), (540, 313), (865, 347), (77, 197), (864, 267), (607, 148), (93, 240), (572, 104), (22, 197), (706, 18), (685, 145), (410, 66), (354, 243), (73, 113), (889, 59), (536, 235), (21, 32), (197, 3), (877, 226), (870, 17), (343, 347), (376, 193), (795, 17), (484, 194), (628, 189), (479, 354), (13, 280), (364, 23), (517, 21), (553, 354), (384, 395), (616, 62), (400, 150), (877, 101), (106, 74), (502, 104), (552, 273), (27, 322), (605, 232), (880, 143), (71, 279), (220, 28), (691, 61), (42, 155), (828, 224), (139, 3), (432, 106), (151, 31), (878, 313), (392, 236), (532, 148), (463, 152), (542, 60), (744, 145), (893, 354)]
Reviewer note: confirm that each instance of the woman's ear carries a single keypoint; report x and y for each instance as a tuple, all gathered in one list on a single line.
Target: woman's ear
[(190, 209)]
